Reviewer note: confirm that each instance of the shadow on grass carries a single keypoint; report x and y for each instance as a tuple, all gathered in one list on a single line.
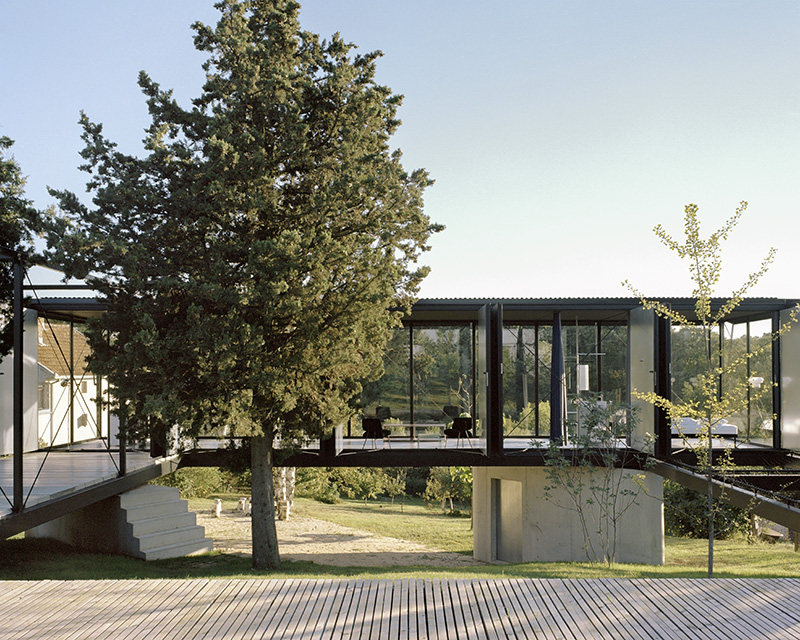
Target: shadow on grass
[(37, 559)]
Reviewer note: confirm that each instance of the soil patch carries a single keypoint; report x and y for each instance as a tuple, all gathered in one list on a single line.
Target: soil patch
[(326, 543)]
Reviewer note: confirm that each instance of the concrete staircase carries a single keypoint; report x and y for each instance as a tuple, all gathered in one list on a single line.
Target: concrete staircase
[(156, 523)]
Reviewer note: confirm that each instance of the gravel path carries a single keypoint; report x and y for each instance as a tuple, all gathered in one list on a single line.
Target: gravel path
[(326, 543)]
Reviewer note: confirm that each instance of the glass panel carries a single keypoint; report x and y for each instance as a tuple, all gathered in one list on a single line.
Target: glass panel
[(758, 420), (67, 390), (443, 376), (526, 381), (388, 397), (612, 364), (690, 361)]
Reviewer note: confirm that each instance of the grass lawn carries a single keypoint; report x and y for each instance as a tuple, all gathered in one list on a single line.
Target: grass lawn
[(686, 558)]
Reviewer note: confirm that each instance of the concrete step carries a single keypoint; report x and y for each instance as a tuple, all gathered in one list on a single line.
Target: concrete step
[(145, 511), (162, 523), (158, 539), (178, 550), (158, 524), (147, 495)]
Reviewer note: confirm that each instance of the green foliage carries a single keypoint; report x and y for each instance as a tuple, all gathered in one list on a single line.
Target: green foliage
[(329, 484), (685, 514), (417, 480), (17, 219), (195, 482), (394, 482), (449, 484), (255, 259), (703, 397)]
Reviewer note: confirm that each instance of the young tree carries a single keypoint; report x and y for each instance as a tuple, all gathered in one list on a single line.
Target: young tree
[(256, 259), (599, 481), (707, 405), (17, 218)]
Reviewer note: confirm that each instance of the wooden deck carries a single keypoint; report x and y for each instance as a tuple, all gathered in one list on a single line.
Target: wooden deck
[(402, 609)]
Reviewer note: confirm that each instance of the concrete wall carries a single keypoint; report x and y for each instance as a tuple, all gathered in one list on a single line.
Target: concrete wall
[(99, 527), (514, 522), (30, 382)]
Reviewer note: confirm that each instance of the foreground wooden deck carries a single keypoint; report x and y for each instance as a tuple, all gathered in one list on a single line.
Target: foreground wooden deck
[(403, 609)]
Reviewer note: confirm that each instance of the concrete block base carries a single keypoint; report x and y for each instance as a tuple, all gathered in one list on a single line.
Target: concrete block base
[(151, 523), (514, 522)]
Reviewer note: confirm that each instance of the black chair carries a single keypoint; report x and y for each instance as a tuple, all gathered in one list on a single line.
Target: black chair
[(373, 430), (460, 429), (451, 411)]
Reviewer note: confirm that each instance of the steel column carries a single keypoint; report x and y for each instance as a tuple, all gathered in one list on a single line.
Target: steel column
[(17, 374)]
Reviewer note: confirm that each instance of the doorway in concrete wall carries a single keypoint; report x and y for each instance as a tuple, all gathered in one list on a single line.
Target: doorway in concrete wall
[(507, 518)]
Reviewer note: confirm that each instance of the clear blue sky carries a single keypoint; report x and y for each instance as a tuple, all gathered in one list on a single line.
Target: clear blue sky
[(558, 132)]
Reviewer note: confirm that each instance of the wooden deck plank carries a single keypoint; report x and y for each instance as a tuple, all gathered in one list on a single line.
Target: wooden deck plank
[(220, 600), (452, 631), (383, 604), (489, 613), (532, 610), (314, 611), (327, 609), (647, 620), (251, 600), (702, 611), (674, 609), (98, 602), (27, 612), (436, 613), (116, 611), (762, 610), (272, 607), (538, 608), (526, 624), (366, 611), (297, 618), (258, 608), (472, 607), (347, 594), (560, 622), (598, 603), (354, 610), (420, 609), (179, 606), (453, 593), (399, 622), (280, 625)]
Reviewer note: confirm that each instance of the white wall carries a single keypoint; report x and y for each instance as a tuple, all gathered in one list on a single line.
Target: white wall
[(790, 385), (29, 394), (54, 425)]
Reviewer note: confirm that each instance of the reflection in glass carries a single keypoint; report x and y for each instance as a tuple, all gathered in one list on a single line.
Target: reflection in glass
[(443, 375), (596, 371), (422, 396)]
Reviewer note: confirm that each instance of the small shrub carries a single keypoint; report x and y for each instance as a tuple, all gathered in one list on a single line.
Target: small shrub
[(194, 482), (685, 515)]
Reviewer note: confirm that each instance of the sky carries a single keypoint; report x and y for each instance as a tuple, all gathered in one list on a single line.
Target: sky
[(559, 133)]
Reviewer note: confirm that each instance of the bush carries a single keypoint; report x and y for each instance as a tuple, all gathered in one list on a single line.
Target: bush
[(417, 480), (685, 515), (194, 482)]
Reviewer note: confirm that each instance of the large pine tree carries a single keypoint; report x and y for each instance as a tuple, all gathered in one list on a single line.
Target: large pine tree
[(17, 218), (256, 258)]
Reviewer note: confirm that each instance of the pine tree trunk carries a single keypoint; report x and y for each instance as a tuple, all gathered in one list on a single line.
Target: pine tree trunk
[(265, 536)]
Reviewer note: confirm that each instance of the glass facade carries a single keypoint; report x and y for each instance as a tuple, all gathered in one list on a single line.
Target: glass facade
[(595, 362), (741, 356), (428, 380)]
